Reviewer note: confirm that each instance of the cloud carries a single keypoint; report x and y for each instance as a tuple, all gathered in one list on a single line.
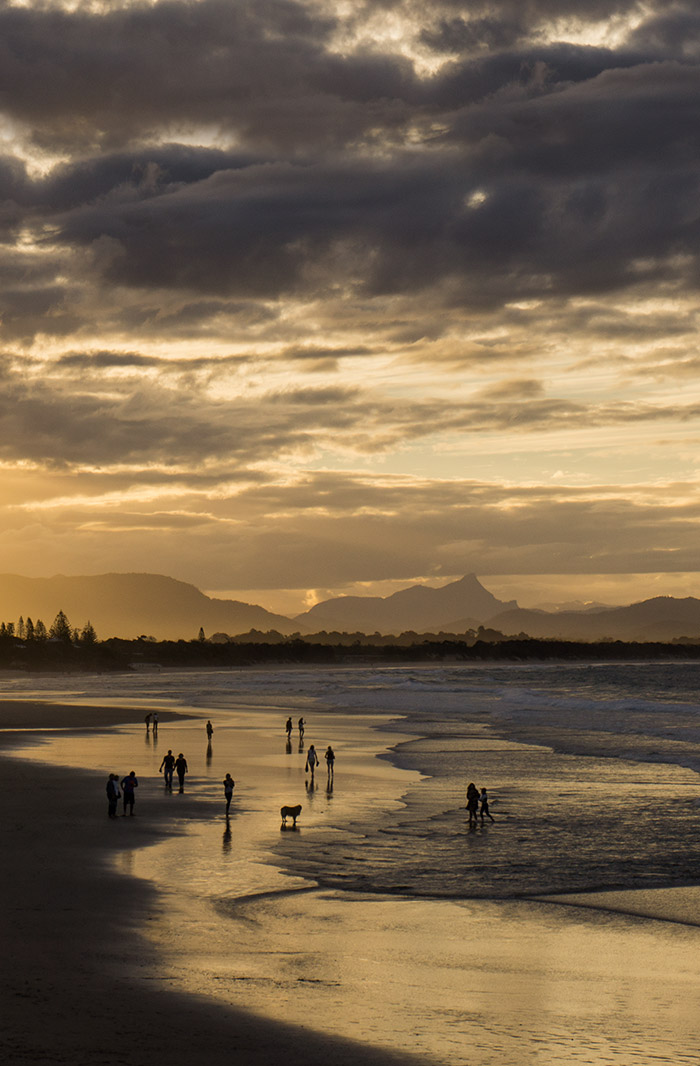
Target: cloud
[(244, 241), (345, 528)]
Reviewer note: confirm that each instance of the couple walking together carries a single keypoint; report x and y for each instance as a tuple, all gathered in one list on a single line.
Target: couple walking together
[(474, 799)]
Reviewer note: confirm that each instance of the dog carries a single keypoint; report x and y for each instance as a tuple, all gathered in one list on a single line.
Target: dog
[(291, 812)]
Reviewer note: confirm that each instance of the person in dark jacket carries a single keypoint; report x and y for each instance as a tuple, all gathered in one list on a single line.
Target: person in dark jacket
[(113, 795)]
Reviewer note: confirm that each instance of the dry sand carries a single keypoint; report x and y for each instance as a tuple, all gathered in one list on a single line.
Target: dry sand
[(71, 925)]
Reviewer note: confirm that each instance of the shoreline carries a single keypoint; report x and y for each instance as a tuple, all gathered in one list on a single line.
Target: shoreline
[(82, 961), (73, 926)]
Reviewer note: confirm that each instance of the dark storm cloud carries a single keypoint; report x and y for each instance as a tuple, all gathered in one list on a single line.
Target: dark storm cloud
[(262, 68), (130, 176), (585, 162)]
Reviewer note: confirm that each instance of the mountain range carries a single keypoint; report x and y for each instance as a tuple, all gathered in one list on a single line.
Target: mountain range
[(153, 605)]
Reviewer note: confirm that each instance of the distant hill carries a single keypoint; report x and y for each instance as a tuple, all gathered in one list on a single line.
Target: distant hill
[(152, 605), (660, 618), (131, 605), (418, 608)]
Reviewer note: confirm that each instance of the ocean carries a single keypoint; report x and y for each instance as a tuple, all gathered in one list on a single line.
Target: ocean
[(385, 917)]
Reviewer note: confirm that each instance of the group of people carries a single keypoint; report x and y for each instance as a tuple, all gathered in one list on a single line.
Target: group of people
[(300, 725), (170, 765), (128, 785), (477, 804), (312, 760)]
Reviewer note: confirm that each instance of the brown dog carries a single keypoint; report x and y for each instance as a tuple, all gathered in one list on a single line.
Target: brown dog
[(290, 812)]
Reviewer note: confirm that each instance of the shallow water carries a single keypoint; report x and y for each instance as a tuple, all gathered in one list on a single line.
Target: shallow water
[(384, 918)]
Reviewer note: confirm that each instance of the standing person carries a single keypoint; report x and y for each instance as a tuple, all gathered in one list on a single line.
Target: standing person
[(147, 720), (311, 759), (129, 786), (168, 766), (113, 795), (210, 730), (330, 760), (155, 723), (301, 730), (484, 812), (229, 785), (181, 768), (288, 727), (472, 802)]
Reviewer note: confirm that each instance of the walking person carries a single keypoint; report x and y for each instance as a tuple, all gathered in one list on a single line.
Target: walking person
[(147, 720), (484, 810), (129, 786), (311, 760), (229, 785), (181, 769), (210, 730), (168, 766), (155, 723), (472, 802), (301, 729), (113, 795), (330, 760), (288, 728)]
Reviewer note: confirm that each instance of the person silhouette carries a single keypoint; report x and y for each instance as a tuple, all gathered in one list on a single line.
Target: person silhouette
[(113, 795), (129, 785), (484, 811), (229, 785), (210, 730), (330, 760), (154, 720), (288, 727), (181, 768), (167, 766), (147, 720), (301, 729), (311, 759), (472, 802)]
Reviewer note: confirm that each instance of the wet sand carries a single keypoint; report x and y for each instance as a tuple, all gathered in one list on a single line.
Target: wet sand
[(71, 989), (94, 956)]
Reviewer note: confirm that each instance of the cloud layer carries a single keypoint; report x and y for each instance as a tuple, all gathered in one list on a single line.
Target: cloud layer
[(260, 259)]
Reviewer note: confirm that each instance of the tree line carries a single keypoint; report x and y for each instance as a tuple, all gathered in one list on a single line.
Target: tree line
[(26, 631)]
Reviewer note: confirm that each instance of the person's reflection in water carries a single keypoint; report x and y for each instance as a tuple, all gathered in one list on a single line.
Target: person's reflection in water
[(226, 841), (288, 746), (209, 754), (329, 787), (311, 786)]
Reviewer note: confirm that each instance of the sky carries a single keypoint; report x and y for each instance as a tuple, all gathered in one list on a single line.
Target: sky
[(302, 299)]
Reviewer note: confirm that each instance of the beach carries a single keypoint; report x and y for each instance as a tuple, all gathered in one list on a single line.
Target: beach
[(71, 972), (132, 939)]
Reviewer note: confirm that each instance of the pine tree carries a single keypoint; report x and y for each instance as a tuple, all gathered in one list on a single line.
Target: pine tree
[(29, 630), (88, 634), (61, 628), (21, 631), (40, 630)]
